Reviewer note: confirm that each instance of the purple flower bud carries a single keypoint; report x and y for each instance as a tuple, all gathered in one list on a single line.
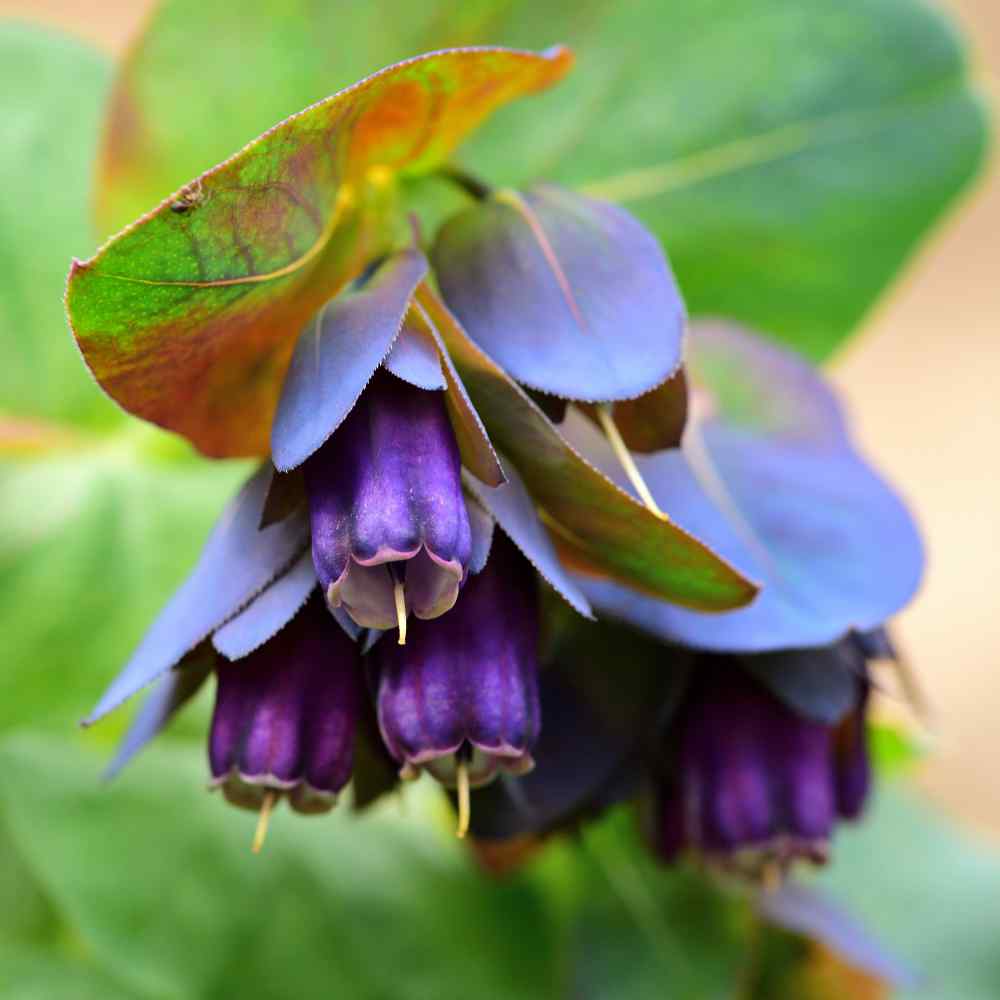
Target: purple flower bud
[(389, 521), (751, 784), (285, 716), (465, 687)]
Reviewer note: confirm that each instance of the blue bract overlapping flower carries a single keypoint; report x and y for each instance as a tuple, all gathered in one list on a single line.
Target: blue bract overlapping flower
[(474, 442)]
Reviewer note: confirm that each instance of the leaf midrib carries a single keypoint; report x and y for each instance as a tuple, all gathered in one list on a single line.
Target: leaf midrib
[(765, 147)]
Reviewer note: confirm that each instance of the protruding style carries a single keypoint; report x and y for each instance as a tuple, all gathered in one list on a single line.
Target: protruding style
[(462, 694), (285, 717), (390, 528)]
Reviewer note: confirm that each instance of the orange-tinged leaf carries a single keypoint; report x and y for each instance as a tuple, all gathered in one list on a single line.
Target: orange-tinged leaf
[(188, 317)]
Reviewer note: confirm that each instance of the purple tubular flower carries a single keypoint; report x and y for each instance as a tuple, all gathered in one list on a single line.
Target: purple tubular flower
[(285, 716), (465, 689), (755, 786), (390, 529)]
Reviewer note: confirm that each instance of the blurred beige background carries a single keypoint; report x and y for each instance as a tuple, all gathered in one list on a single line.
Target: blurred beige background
[(923, 383)]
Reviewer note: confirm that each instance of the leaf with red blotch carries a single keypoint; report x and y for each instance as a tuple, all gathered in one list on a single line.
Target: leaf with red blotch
[(188, 317)]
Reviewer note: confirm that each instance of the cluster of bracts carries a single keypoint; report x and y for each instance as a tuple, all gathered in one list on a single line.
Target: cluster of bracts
[(388, 594)]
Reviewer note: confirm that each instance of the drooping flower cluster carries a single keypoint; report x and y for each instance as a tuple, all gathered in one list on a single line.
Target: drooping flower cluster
[(534, 385)]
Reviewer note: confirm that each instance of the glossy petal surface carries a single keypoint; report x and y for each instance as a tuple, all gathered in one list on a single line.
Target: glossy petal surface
[(238, 561), (570, 295), (386, 488), (772, 482), (470, 676), (336, 355), (285, 716), (188, 317), (616, 533)]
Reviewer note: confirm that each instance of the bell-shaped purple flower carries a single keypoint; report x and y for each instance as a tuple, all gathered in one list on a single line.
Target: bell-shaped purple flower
[(390, 528), (463, 691), (751, 784), (285, 716)]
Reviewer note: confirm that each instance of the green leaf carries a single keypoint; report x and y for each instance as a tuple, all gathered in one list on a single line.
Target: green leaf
[(52, 91), (788, 189), (156, 877), (926, 889), (789, 155), (93, 542), (188, 317)]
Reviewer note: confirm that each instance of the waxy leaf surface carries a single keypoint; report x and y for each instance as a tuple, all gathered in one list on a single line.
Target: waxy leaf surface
[(571, 296), (188, 317), (414, 359), (621, 536), (336, 355), (267, 613), (515, 512), (769, 478), (238, 561)]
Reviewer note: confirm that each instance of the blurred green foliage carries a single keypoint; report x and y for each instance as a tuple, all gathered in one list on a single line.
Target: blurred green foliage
[(792, 154)]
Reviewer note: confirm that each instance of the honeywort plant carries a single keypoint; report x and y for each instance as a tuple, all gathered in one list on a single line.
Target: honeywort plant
[(516, 521), (410, 402)]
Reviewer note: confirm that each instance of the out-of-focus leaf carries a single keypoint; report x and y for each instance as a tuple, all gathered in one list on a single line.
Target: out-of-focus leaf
[(51, 92), (514, 510), (217, 921), (788, 189), (269, 612), (335, 357), (569, 295), (36, 973), (642, 930), (928, 890), (813, 914), (770, 479), (623, 537), (238, 561), (92, 544), (188, 317), (821, 684), (806, 173)]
